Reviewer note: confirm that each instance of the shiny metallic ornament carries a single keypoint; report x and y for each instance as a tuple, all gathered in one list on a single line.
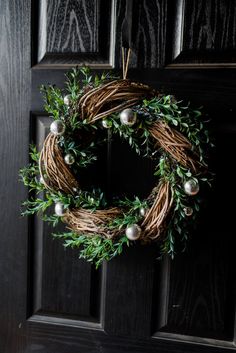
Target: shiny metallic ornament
[(188, 211), (57, 127), (143, 211), (69, 159), (128, 117), (107, 124), (67, 99), (59, 209), (133, 232), (191, 187), (42, 178)]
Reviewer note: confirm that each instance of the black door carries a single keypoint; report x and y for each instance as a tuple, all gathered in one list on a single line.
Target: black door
[(49, 300)]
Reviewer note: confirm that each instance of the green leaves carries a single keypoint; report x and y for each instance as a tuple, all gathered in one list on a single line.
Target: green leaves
[(36, 205), (93, 248), (188, 121), (81, 139), (54, 103)]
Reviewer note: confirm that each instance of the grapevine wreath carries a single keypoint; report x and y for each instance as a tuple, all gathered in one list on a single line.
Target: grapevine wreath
[(157, 126)]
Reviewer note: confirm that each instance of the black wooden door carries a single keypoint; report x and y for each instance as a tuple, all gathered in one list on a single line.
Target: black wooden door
[(49, 300)]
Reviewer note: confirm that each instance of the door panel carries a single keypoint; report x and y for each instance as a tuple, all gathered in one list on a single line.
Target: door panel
[(50, 300), (203, 34), (69, 32)]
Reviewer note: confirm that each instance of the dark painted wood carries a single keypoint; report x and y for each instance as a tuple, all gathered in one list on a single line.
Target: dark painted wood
[(52, 302), (53, 292), (203, 33), (198, 280), (14, 116), (68, 32), (148, 32)]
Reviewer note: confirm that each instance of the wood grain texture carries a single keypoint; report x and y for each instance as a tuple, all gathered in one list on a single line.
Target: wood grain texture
[(200, 291), (199, 282), (148, 32), (129, 288), (203, 33), (206, 272), (14, 117), (69, 32), (49, 338), (62, 285), (209, 24), (72, 26)]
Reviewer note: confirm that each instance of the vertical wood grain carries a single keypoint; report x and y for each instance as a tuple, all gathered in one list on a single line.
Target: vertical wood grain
[(61, 283), (209, 24), (148, 32), (14, 118), (203, 33), (72, 26), (73, 32), (202, 283)]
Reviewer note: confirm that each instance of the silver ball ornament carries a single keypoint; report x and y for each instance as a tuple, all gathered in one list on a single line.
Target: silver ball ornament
[(43, 178), (57, 127), (59, 209), (128, 117), (188, 211), (133, 232), (143, 211), (191, 187), (69, 159), (106, 124), (67, 99)]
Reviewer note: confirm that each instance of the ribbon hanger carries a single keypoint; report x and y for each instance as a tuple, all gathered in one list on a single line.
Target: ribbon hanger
[(126, 37)]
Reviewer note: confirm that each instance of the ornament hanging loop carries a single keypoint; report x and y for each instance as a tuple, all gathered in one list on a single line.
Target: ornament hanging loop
[(125, 61)]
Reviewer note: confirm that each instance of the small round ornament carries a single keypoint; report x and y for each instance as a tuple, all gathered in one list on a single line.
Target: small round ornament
[(188, 211), (143, 211), (59, 209), (69, 159), (133, 232), (191, 187), (57, 127), (42, 178), (106, 123), (128, 117), (67, 99)]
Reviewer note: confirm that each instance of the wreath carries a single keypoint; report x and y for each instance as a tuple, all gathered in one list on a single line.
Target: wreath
[(156, 126)]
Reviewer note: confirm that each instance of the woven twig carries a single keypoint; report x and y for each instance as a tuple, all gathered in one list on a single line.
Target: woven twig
[(174, 143), (97, 104), (55, 173), (89, 222), (110, 98), (154, 220)]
